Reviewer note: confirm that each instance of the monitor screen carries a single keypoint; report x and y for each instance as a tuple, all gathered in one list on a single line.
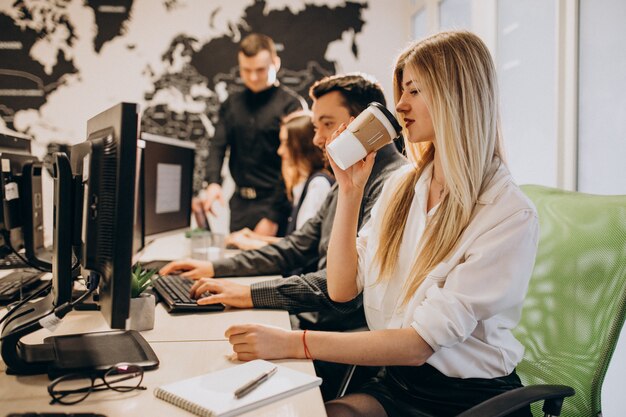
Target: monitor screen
[(168, 166), (104, 168)]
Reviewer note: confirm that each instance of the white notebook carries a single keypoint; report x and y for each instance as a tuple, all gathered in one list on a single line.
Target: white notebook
[(212, 395)]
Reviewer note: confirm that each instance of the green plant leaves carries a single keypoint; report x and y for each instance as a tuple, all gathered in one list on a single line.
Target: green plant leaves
[(140, 280)]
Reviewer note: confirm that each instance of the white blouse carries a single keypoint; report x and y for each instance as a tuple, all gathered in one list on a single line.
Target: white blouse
[(315, 196), (466, 307)]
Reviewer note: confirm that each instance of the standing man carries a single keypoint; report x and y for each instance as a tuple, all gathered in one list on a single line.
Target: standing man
[(249, 122)]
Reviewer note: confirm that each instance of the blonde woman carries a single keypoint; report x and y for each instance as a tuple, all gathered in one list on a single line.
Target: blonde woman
[(307, 181), (444, 262)]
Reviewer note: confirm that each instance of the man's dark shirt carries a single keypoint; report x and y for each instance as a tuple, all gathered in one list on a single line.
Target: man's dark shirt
[(308, 293), (249, 124)]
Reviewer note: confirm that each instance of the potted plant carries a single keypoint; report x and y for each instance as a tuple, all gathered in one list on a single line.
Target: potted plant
[(141, 304)]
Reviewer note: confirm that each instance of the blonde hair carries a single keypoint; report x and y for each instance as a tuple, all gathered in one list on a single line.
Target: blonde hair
[(458, 80)]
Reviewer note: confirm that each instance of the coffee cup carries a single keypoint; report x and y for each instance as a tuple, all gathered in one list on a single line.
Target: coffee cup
[(372, 129)]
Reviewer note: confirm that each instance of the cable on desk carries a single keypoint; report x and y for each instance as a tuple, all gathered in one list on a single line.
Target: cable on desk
[(12, 309)]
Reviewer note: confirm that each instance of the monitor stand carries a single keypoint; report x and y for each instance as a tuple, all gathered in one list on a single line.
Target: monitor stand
[(67, 353)]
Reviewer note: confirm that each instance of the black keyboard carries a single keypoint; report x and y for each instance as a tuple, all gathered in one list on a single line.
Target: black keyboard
[(12, 261), (174, 291), (14, 285)]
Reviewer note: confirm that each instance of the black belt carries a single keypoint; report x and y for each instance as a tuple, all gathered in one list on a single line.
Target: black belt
[(251, 193)]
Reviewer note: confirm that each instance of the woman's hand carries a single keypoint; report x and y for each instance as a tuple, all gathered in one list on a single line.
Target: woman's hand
[(255, 341), (355, 177)]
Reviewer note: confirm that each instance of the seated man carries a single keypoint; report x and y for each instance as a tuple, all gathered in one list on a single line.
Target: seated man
[(335, 101)]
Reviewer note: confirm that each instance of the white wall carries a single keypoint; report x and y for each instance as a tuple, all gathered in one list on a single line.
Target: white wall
[(602, 103), (386, 33)]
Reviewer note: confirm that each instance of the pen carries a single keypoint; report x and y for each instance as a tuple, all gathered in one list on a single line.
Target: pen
[(250, 386)]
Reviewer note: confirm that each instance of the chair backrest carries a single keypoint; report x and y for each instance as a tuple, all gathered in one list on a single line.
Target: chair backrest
[(576, 301)]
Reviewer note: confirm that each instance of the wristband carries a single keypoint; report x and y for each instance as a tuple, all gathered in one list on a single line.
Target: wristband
[(307, 353)]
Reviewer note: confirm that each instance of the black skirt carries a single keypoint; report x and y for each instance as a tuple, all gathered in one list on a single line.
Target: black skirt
[(423, 391)]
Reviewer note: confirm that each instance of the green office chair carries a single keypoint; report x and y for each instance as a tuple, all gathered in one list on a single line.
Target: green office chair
[(575, 307)]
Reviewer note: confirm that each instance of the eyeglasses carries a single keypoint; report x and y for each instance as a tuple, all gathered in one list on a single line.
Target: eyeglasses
[(73, 388)]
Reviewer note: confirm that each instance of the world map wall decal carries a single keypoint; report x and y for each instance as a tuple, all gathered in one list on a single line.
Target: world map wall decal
[(50, 50)]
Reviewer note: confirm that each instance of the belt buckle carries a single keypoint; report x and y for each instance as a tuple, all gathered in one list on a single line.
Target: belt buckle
[(248, 193)]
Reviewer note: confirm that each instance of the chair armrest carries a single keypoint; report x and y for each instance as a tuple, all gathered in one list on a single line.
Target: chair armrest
[(510, 401)]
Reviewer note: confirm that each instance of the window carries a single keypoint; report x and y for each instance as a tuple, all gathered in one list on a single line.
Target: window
[(526, 63), (601, 99), (455, 14), (420, 24)]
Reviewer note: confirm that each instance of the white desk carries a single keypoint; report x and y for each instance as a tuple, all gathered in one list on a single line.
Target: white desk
[(169, 246), (179, 360), (187, 345)]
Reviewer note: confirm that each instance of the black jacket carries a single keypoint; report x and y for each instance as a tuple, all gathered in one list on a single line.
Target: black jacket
[(248, 125)]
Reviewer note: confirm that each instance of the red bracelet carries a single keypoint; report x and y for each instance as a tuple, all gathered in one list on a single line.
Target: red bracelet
[(307, 353)]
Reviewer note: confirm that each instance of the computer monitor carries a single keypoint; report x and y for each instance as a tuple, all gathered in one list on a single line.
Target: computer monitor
[(32, 207), (21, 214), (98, 187), (106, 165), (15, 150), (12, 215), (14, 144), (168, 166), (139, 223)]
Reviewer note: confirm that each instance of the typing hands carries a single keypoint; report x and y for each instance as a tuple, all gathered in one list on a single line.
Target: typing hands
[(222, 291), (190, 268)]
